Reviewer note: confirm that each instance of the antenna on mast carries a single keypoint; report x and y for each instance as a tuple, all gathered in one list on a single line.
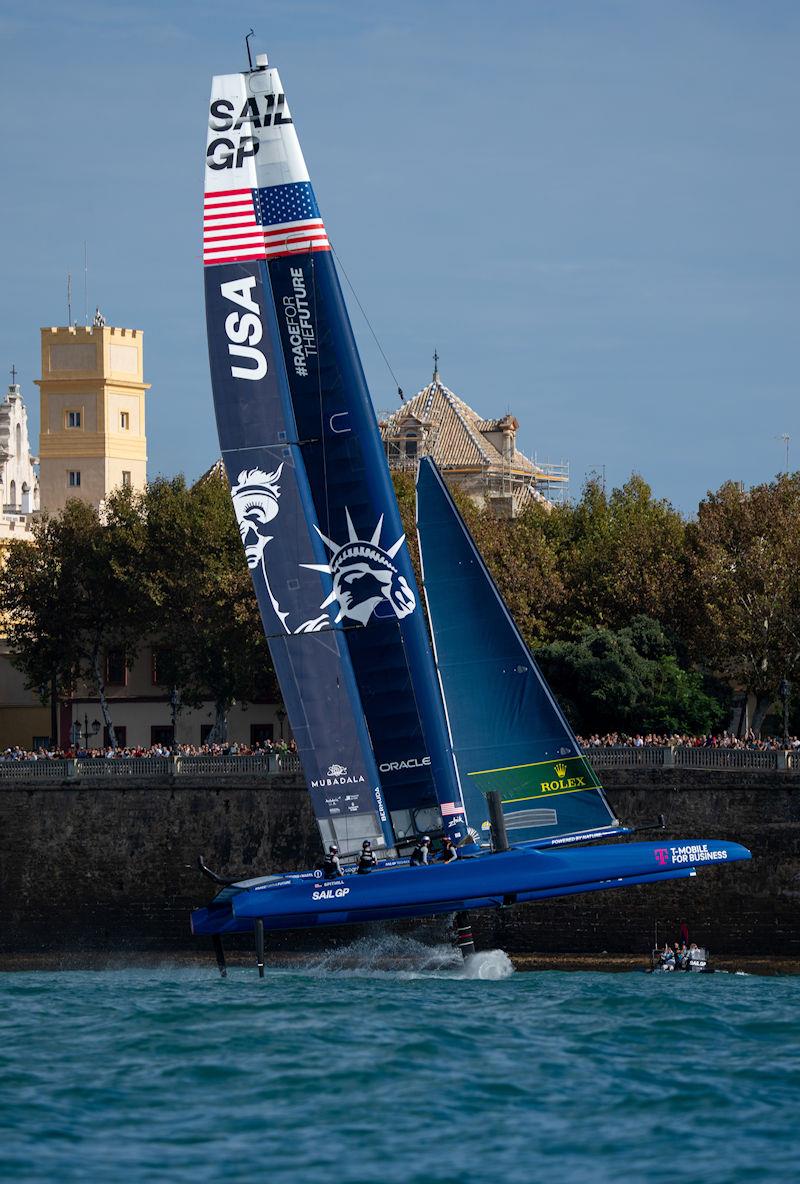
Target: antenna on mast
[(85, 285), (786, 438), (69, 298), (247, 43)]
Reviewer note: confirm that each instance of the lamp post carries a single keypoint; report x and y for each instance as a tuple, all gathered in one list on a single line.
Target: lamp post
[(784, 690), (87, 735), (281, 714)]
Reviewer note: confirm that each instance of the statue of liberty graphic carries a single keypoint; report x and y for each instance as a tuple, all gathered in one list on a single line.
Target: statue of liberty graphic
[(255, 501), (364, 574)]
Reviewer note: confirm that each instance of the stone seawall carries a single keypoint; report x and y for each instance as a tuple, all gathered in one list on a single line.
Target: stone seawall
[(111, 867)]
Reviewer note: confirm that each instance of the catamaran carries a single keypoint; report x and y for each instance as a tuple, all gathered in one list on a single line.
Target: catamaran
[(405, 726)]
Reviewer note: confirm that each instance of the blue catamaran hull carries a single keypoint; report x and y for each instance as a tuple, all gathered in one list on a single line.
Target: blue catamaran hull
[(486, 881)]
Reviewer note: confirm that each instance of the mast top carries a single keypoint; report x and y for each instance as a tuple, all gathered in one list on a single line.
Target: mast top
[(262, 61), (436, 377)]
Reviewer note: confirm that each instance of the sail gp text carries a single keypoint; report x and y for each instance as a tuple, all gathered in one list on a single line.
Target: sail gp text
[(299, 326), (329, 893)]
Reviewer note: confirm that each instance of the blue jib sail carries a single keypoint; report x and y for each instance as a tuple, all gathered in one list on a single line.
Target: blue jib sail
[(335, 583), (508, 732)]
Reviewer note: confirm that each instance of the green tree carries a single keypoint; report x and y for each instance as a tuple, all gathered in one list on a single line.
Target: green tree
[(203, 611), (629, 680), (745, 556), (75, 593), (619, 555)]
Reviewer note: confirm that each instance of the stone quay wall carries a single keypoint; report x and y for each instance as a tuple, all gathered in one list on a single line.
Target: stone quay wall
[(112, 867)]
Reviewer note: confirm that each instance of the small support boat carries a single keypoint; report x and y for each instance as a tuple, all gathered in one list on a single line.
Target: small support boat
[(694, 962)]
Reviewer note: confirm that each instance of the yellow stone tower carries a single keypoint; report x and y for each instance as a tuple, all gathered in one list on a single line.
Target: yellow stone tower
[(91, 395)]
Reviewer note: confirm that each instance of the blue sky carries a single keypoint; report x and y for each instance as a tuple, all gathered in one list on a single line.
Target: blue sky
[(590, 207)]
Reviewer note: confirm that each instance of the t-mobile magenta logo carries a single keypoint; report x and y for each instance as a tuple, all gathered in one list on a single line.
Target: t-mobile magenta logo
[(662, 855)]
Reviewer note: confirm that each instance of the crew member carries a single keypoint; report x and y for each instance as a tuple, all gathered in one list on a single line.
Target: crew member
[(421, 853), (331, 867), (449, 852), (367, 860)]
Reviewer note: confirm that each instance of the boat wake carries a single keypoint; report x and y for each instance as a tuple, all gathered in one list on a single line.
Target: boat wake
[(487, 964), (396, 954)]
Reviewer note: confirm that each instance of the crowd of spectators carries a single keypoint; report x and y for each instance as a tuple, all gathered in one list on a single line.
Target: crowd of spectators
[(283, 748), (279, 748), (726, 740)]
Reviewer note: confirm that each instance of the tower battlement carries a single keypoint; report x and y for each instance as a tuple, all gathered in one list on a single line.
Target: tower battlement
[(92, 403)]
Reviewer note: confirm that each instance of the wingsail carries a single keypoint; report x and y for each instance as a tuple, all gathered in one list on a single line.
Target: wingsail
[(311, 486), (508, 732)]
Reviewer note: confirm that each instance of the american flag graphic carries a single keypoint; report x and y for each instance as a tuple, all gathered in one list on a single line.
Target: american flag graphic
[(240, 224), (451, 808)]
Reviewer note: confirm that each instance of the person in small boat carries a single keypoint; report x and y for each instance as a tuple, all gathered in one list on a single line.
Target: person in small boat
[(449, 852), (421, 853), (331, 867), (668, 957), (681, 956), (367, 860)]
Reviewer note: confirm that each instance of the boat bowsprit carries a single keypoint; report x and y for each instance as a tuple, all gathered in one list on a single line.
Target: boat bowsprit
[(404, 727)]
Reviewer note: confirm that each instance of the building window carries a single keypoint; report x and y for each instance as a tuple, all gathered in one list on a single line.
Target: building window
[(116, 668), (125, 420), (121, 733), (410, 443), (74, 478), (126, 479), (73, 419), (12, 494), (260, 733), (161, 734), (205, 732)]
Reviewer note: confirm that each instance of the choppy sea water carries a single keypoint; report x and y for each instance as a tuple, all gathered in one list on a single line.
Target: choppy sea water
[(351, 1070)]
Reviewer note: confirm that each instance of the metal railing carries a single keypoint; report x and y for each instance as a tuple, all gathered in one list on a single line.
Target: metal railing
[(55, 770), (625, 756), (145, 767), (264, 766), (730, 758)]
